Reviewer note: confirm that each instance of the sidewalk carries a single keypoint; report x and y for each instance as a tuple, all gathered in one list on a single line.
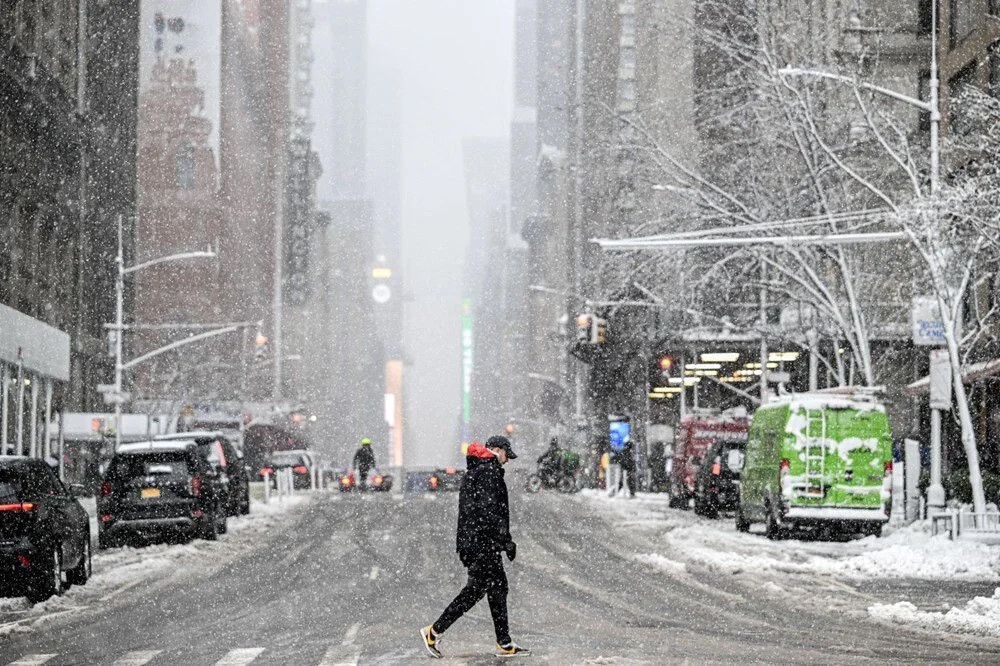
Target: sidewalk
[(907, 563)]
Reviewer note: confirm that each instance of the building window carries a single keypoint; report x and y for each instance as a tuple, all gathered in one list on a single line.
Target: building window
[(924, 17), (924, 90), (994, 63), (963, 20), (957, 120), (185, 168)]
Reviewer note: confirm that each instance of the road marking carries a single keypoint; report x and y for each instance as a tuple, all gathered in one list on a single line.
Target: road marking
[(373, 574), (351, 634), (33, 660), (137, 658), (240, 657), (338, 656)]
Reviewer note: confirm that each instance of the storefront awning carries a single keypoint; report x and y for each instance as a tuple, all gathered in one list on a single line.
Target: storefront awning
[(970, 373), (33, 344)]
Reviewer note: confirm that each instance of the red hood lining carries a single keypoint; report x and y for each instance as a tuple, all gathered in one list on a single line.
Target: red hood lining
[(477, 450)]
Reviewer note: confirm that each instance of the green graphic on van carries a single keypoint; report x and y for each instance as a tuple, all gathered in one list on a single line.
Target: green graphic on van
[(815, 458)]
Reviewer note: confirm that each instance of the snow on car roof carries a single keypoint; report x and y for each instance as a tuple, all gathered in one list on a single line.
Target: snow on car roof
[(193, 434), (814, 401), (156, 445)]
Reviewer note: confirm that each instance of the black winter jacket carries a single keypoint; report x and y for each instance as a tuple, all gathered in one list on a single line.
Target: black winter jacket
[(364, 458), (483, 507)]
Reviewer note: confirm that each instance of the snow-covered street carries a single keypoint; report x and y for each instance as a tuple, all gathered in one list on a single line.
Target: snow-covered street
[(119, 571), (331, 579)]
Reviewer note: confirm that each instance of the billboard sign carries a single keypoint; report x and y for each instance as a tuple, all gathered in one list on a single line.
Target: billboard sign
[(619, 431)]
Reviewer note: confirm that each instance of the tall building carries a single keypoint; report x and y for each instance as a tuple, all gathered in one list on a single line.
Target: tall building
[(178, 128), (355, 279), (340, 105), (547, 231), (67, 111)]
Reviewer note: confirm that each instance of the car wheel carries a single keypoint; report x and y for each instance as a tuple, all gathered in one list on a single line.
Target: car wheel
[(567, 485), (210, 527), (47, 581), (710, 507), (534, 483), (80, 574), (105, 541), (772, 529), (742, 524)]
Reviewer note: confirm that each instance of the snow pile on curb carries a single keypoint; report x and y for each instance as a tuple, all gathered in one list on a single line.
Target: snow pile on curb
[(660, 562), (909, 552), (980, 617)]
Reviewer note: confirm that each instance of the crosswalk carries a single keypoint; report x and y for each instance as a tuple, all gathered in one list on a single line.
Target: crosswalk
[(337, 655)]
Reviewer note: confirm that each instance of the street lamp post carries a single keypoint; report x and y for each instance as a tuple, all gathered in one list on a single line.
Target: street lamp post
[(115, 393)]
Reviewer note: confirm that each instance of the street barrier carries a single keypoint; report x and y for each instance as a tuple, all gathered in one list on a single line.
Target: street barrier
[(962, 522)]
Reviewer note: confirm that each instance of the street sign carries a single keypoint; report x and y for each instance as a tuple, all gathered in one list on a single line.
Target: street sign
[(779, 377), (928, 328), (940, 379), (120, 398), (105, 388)]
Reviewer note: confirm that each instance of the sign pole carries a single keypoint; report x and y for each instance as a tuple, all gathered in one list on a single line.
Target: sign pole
[(940, 399)]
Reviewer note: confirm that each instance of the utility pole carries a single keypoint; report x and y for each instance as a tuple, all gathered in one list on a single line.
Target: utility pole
[(114, 392)]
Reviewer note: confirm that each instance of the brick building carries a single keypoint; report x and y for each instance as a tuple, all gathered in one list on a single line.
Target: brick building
[(178, 212)]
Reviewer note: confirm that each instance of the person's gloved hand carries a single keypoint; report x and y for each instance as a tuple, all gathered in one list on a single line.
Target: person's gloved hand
[(511, 550)]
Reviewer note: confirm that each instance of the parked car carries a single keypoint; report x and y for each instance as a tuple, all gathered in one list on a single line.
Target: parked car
[(717, 484), (227, 460), (300, 461), (818, 460), (697, 434), (418, 481), (446, 478), (44, 531), (160, 489)]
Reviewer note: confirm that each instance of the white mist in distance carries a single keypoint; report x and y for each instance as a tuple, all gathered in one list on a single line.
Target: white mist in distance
[(454, 60)]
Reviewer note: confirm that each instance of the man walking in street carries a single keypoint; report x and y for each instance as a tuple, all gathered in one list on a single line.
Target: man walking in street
[(364, 461), (483, 534)]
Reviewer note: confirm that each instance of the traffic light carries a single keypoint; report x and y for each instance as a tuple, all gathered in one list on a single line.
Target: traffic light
[(599, 331), (666, 366), (584, 327)]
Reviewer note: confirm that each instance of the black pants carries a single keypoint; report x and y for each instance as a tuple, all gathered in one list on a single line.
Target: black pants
[(630, 477), (486, 577)]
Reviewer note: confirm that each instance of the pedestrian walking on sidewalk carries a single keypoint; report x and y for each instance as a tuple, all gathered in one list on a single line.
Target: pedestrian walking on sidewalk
[(483, 534)]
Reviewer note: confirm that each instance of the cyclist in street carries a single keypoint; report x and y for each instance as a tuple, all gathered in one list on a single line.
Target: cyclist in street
[(364, 462), (550, 461)]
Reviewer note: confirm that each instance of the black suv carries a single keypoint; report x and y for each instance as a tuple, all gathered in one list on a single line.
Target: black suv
[(717, 484), (160, 489), (227, 461), (44, 532)]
